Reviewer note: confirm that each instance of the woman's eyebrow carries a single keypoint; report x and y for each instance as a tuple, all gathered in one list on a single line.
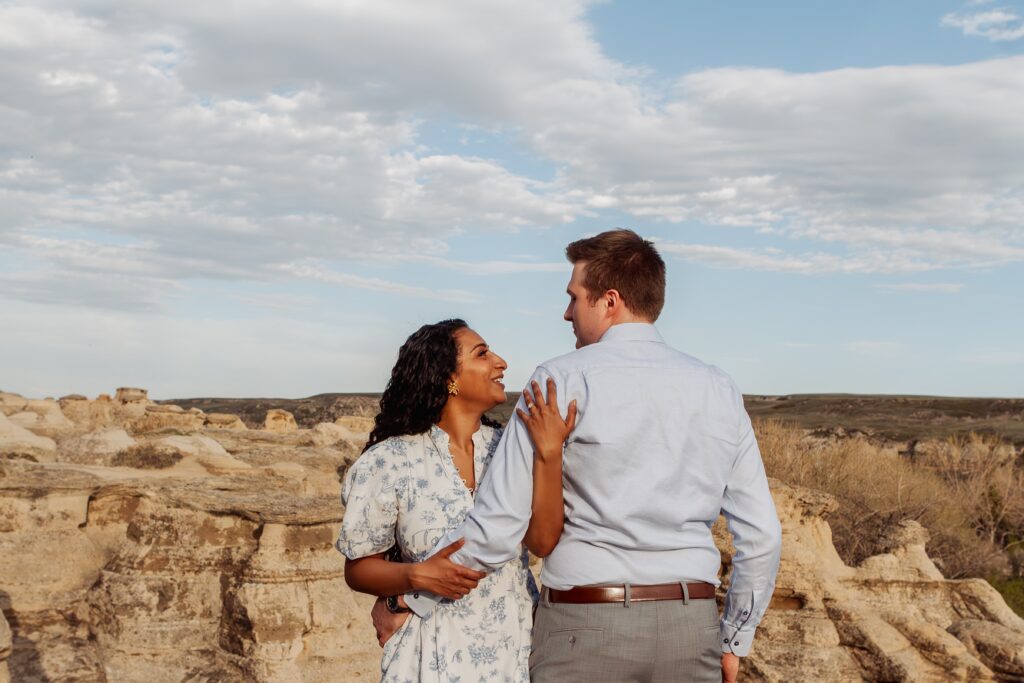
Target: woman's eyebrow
[(478, 346)]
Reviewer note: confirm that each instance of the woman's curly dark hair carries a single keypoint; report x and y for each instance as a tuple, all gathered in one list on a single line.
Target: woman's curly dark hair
[(418, 388)]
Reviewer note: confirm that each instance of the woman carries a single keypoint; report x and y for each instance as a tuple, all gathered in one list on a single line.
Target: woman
[(415, 481)]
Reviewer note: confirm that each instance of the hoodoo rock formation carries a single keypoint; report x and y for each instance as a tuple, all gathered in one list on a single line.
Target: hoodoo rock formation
[(143, 543)]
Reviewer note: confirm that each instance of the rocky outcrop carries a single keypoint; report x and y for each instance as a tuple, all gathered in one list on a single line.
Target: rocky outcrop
[(893, 618), (224, 421), (5, 649), (96, 448), (156, 418), (220, 566), (355, 424), (279, 421), (17, 441), (206, 555)]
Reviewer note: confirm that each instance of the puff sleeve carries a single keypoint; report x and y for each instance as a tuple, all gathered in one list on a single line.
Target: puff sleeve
[(371, 505)]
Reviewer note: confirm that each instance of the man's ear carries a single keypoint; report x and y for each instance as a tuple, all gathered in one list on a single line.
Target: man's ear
[(613, 301)]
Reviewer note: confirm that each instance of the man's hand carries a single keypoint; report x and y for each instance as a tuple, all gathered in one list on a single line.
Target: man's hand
[(386, 622), (439, 575), (730, 667)]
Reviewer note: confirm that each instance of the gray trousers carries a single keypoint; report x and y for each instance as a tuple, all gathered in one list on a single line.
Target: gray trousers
[(649, 642)]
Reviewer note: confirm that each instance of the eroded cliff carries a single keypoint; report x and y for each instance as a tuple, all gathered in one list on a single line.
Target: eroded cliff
[(143, 543)]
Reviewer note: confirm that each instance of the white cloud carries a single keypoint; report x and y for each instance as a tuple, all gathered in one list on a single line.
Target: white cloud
[(492, 267), (205, 142), (997, 25), (944, 288), (815, 263), (307, 271)]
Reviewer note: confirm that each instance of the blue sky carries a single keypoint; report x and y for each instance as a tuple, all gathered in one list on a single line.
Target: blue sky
[(203, 201)]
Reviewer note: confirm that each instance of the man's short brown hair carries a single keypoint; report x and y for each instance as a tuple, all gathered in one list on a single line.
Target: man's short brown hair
[(624, 261)]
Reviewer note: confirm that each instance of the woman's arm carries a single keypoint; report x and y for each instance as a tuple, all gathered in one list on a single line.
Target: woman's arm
[(548, 431), (437, 574)]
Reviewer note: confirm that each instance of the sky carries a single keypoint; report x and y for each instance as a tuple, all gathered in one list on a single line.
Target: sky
[(267, 198)]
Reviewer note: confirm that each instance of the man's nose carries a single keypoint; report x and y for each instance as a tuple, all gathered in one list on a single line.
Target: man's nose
[(568, 314)]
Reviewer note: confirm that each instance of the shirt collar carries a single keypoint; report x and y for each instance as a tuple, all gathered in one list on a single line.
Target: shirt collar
[(632, 332)]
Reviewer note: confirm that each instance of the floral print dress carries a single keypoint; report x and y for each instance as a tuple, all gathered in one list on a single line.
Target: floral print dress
[(407, 489)]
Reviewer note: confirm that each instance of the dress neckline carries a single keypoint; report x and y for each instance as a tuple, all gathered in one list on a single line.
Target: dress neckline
[(442, 444)]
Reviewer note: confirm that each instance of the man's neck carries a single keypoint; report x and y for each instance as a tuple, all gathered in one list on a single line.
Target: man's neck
[(625, 316)]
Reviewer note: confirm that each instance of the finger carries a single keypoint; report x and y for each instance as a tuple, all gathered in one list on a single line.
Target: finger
[(472, 574), (527, 400), (449, 549), (552, 394), (538, 396), (522, 416), (570, 421)]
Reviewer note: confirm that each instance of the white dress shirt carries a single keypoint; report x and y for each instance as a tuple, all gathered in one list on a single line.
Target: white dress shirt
[(662, 444)]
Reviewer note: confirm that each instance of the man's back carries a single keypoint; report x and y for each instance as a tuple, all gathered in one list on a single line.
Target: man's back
[(646, 468)]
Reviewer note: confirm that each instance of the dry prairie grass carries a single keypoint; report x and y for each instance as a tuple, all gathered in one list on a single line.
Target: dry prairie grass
[(968, 493)]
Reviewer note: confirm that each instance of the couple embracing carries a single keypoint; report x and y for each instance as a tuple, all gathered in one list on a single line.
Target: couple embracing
[(620, 457)]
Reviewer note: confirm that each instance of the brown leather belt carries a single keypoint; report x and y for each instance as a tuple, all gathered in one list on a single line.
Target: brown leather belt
[(664, 591)]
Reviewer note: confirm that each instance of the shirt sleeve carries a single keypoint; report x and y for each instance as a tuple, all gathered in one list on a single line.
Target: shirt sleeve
[(757, 536), (371, 507), (495, 527)]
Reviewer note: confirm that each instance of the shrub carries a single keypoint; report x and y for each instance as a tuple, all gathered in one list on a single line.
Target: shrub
[(878, 488), (146, 457)]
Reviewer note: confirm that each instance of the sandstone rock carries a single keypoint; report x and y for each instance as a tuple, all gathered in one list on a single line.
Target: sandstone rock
[(5, 649), (1001, 648), (24, 419), (131, 394), (224, 421), (881, 621), (204, 451), (72, 397), (164, 408), (212, 570), (95, 448), (11, 403), (279, 421), (90, 415), (355, 424), (156, 420), (43, 418), (328, 434), (906, 558), (16, 440)]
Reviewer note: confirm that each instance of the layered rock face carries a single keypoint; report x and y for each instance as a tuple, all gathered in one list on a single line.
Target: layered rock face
[(893, 618), (143, 543)]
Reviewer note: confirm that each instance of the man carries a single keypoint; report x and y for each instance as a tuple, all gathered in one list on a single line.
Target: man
[(662, 443)]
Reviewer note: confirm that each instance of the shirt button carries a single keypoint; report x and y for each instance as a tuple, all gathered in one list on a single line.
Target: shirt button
[(572, 639), (415, 595), (726, 641), (745, 612), (736, 643)]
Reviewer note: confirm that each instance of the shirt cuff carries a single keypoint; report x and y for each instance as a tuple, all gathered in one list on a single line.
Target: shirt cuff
[(734, 640), (421, 603)]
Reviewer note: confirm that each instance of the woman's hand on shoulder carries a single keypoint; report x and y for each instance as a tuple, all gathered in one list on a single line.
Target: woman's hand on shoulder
[(548, 430)]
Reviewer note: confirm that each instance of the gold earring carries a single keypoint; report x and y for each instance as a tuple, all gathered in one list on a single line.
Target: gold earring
[(453, 388)]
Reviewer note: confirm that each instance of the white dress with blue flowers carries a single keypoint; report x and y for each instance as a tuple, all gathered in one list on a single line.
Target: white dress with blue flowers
[(407, 489)]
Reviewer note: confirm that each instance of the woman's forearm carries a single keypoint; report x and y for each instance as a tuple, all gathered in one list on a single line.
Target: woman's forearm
[(377, 576), (548, 513)]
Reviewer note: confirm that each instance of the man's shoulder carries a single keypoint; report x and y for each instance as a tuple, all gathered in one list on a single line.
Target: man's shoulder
[(598, 355)]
